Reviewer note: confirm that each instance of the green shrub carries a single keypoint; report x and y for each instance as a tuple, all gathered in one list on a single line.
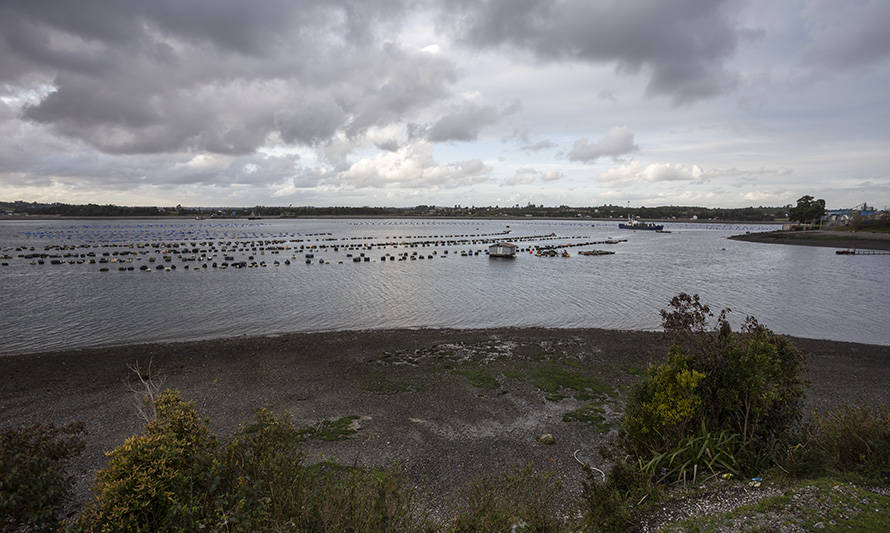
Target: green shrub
[(695, 455), (162, 479), (855, 438), (178, 476), (611, 505), (271, 489), (753, 386), (662, 405), (802, 456), (745, 383), (34, 485), (721, 402), (357, 499), (262, 459), (521, 501)]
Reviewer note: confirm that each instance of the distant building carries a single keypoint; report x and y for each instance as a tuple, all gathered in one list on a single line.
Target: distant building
[(844, 216), (837, 216)]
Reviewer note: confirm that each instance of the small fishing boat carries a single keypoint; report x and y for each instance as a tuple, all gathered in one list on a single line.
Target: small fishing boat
[(635, 224)]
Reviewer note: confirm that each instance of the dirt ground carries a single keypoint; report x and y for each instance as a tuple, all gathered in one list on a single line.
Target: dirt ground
[(445, 405)]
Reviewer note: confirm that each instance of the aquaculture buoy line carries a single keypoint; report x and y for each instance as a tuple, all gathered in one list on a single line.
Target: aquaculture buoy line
[(194, 247)]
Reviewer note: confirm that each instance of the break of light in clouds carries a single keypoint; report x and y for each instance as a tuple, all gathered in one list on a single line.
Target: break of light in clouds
[(390, 102)]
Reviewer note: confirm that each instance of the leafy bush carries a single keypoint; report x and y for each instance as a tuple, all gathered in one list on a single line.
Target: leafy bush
[(521, 501), (662, 405), (34, 485), (721, 402), (162, 479), (179, 476), (855, 438), (695, 455), (802, 456), (271, 489), (610, 504), (745, 383), (357, 499), (754, 386)]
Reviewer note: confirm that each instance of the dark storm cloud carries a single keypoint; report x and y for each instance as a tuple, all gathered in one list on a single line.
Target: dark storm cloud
[(681, 45), (219, 76), (857, 35)]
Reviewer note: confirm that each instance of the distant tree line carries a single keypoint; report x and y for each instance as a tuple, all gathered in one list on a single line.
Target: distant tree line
[(604, 211)]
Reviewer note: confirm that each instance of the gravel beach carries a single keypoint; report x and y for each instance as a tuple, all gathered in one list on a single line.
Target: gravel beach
[(445, 405)]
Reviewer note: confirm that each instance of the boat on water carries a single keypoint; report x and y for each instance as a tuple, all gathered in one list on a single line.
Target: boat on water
[(633, 223), (502, 249)]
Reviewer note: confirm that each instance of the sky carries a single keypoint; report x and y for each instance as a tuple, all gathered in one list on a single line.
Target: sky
[(718, 103)]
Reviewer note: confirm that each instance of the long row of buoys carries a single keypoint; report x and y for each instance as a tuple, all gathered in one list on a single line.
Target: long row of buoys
[(165, 262), (279, 244), (138, 232), (240, 253), (579, 244)]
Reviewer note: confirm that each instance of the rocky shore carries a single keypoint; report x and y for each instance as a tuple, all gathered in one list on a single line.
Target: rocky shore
[(445, 405)]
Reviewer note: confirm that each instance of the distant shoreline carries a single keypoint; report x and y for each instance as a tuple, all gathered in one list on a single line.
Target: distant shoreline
[(824, 238), (359, 217)]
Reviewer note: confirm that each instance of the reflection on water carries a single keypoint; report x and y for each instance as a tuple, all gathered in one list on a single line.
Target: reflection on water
[(804, 291)]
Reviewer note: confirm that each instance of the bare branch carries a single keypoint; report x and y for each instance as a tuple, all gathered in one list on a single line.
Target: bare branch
[(145, 390)]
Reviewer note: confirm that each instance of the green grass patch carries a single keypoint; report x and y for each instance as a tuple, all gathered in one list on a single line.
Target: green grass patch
[(574, 363), (381, 384), (633, 370), (592, 413), (478, 378), (513, 374), (329, 430), (553, 378)]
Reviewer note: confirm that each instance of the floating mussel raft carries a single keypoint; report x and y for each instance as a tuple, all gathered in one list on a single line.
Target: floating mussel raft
[(197, 248)]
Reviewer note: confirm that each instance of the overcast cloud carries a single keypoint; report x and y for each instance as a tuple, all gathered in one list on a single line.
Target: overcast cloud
[(390, 102), (619, 141)]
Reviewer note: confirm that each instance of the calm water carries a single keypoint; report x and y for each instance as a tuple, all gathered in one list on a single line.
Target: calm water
[(804, 291)]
